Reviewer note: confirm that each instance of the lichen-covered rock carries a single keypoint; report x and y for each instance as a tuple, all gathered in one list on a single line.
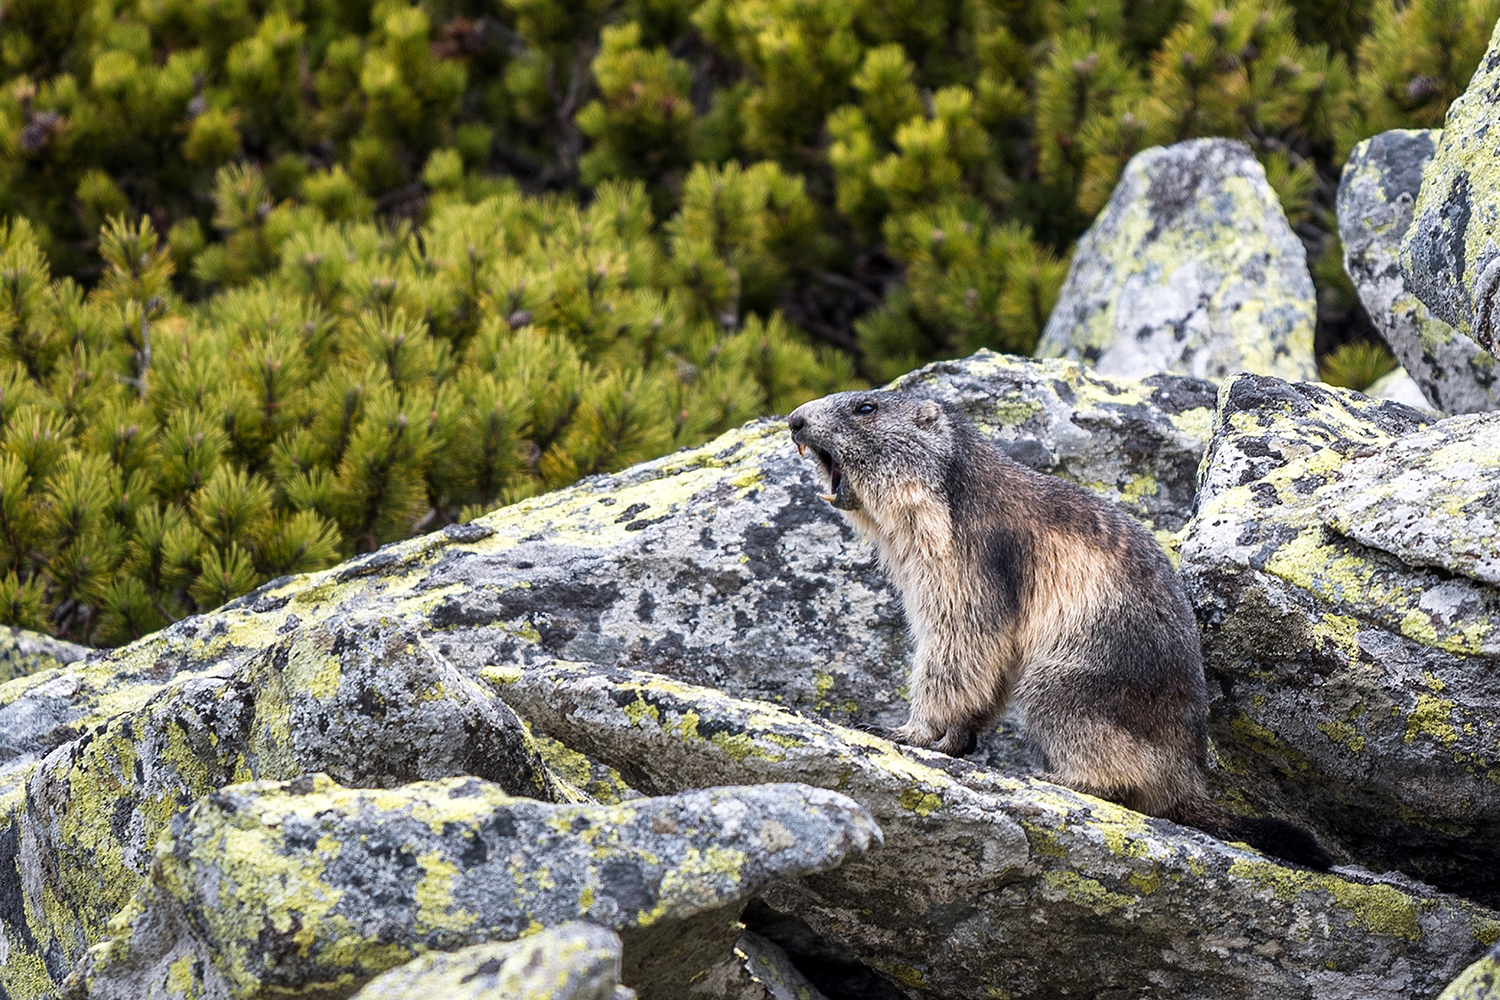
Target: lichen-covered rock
[(1192, 269), (1480, 981), (1429, 497), (1450, 255), (270, 888), (991, 883), (1375, 199), (576, 961), (1348, 687), (23, 653), (365, 698)]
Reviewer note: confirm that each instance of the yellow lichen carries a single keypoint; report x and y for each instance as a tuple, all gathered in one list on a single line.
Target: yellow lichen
[(1433, 717), (921, 802), (1086, 892)]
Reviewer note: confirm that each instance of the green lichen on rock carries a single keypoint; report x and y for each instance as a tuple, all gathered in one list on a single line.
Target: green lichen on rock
[(1376, 193), (575, 961), (951, 899), (1192, 269), (309, 886), (1450, 257), (1349, 681)]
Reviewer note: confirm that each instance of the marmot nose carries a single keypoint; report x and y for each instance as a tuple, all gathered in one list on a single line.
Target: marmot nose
[(796, 422)]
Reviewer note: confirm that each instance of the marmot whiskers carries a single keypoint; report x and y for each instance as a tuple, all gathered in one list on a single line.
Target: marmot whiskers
[(1021, 588)]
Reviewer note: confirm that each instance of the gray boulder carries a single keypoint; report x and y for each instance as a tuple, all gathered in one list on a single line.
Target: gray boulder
[(1350, 687), (1399, 387), (1375, 199), (1191, 269), (1450, 255), (366, 698), (990, 882), (1427, 498), (271, 888), (576, 961)]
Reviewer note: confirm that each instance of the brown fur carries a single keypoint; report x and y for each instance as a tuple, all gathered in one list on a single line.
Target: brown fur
[(1023, 590)]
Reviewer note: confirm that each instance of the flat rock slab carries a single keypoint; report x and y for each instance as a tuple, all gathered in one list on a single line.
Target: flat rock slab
[(1450, 255), (576, 961), (989, 883), (1375, 201), (1432, 498), (1348, 688), (1191, 269), (269, 888)]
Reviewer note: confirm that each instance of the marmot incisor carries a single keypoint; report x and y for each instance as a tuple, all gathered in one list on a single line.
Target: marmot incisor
[(1023, 588)]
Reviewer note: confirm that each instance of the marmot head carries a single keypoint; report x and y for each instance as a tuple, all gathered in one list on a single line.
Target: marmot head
[(867, 442)]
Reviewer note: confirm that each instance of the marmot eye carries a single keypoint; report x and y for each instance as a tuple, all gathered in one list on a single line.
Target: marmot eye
[(864, 409)]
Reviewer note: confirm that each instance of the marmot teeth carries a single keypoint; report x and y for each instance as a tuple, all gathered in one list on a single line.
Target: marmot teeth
[(801, 449), (830, 497)]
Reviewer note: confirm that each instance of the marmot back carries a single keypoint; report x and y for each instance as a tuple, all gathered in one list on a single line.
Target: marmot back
[(1023, 589)]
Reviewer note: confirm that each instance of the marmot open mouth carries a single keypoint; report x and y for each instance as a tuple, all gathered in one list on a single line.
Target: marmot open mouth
[(832, 467)]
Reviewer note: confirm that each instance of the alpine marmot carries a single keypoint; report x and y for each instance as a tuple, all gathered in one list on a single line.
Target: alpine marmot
[(1024, 590)]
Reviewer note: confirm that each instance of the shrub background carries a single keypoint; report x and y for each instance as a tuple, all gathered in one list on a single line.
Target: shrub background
[(284, 281)]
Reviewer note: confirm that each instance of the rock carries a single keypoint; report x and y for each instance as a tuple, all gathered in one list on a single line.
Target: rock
[(769, 965), (367, 699), (23, 653), (1480, 981), (1450, 256), (1427, 498), (1375, 200), (991, 882), (1191, 269), (1399, 387), (575, 961), (269, 888), (1348, 688)]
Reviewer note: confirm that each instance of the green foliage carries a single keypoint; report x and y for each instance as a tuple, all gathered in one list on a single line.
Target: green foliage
[(364, 382), (1357, 365), (1416, 59)]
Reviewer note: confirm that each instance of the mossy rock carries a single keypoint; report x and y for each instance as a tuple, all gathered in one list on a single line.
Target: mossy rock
[(993, 882), (576, 961), (1480, 981)]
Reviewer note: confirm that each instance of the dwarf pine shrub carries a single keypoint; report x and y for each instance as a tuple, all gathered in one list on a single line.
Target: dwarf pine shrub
[(360, 382)]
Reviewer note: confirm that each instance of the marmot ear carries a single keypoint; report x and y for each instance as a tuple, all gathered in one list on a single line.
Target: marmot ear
[(928, 413)]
